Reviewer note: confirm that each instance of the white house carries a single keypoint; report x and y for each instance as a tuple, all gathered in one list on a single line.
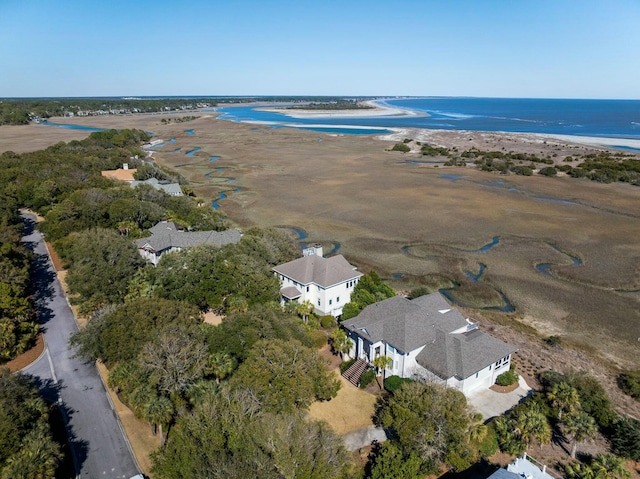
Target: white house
[(326, 283), (428, 339), (167, 236), (524, 467)]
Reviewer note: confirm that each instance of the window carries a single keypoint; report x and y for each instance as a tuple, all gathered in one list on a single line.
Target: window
[(318, 302), (477, 375), (307, 289), (338, 299), (330, 301)]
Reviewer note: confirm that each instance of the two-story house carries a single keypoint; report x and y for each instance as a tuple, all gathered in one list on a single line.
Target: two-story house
[(426, 338), (326, 283)]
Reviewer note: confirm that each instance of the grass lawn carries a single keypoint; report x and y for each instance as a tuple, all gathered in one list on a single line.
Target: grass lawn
[(351, 409)]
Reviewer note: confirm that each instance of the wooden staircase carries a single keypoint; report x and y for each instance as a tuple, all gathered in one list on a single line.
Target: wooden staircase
[(355, 371)]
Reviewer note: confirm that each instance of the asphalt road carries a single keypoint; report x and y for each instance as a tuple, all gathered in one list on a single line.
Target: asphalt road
[(99, 447)]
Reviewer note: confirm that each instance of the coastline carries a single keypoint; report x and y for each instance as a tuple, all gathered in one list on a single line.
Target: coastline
[(377, 110)]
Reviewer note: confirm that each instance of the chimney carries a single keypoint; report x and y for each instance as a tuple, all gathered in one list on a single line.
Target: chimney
[(316, 249), (125, 166)]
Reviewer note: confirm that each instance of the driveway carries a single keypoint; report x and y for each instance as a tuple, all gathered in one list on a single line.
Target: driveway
[(97, 441), (491, 403)]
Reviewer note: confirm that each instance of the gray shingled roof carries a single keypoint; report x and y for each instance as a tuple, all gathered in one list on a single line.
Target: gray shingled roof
[(463, 354), (167, 235), (172, 189), (290, 292), (318, 270), (406, 324)]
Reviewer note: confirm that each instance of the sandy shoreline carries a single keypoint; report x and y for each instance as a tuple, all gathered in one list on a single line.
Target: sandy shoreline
[(427, 134), (376, 110)]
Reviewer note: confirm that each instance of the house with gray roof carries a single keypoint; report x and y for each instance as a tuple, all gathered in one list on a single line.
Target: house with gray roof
[(172, 189), (167, 236), (428, 339), (326, 283)]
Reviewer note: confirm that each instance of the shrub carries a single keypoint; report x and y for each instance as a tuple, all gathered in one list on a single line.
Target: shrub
[(507, 378), (489, 444), (548, 171), (327, 321), (319, 338), (344, 365), (625, 440), (367, 378), (392, 383), (553, 341), (401, 147), (630, 384)]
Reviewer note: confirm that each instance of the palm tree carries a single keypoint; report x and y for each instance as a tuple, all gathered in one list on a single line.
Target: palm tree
[(531, 424), (221, 365), (565, 397), (580, 426), (37, 458), (608, 466), (579, 470), (159, 411), (341, 342), (304, 309), (237, 304), (477, 430), (382, 362)]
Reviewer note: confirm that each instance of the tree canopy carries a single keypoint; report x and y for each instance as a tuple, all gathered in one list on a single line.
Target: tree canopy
[(27, 448), (429, 423), (285, 376), (370, 289)]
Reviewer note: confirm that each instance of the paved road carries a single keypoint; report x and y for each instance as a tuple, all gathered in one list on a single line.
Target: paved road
[(98, 443)]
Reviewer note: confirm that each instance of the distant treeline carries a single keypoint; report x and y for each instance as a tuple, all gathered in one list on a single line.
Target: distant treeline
[(21, 111), (333, 105)]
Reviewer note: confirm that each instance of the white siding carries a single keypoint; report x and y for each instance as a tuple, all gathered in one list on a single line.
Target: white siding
[(325, 301)]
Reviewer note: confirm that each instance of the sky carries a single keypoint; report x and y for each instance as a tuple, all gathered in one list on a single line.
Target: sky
[(486, 48)]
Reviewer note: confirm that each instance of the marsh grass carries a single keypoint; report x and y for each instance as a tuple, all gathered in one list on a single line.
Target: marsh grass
[(348, 189)]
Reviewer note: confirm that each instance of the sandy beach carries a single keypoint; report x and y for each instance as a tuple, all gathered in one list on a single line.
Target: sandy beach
[(375, 110)]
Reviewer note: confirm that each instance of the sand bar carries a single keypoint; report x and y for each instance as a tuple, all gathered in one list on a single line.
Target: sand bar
[(376, 110)]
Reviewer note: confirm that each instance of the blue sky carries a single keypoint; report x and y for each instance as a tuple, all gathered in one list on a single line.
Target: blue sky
[(517, 48)]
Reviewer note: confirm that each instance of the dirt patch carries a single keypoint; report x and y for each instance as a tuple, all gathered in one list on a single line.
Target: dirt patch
[(55, 258), (26, 358), (212, 318), (333, 360)]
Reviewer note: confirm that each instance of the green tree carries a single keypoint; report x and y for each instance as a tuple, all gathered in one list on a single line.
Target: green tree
[(221, 365), (27, 449), (239, 332), (625, 438), (580, 426), (608, 466), (102, 265), (531, 424), (429, 421), (230, 436), (119, 333), (564, 397), (340, 342), (388, 462), (159, 411), (381, 363), (370, 289), (285, 375)]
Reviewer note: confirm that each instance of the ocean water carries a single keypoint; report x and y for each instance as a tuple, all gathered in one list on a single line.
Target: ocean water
[(599, 118)]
